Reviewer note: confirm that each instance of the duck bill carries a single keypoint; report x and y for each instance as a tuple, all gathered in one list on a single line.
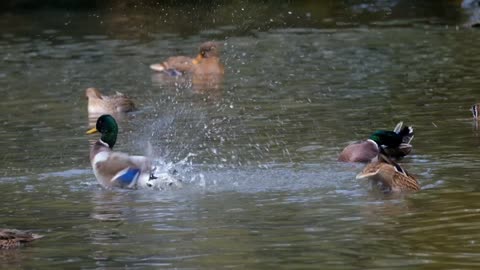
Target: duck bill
[(91, 131), (197, 59)]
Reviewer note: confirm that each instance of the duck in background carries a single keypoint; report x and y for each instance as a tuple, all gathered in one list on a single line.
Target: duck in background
[(388, 175), (474, 110), (395, 143), (472, 11), (207, 75), (99, 104), (11, 239), (207, 62)]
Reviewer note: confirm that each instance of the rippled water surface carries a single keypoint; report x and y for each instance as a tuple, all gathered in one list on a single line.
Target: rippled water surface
[(262, 187)]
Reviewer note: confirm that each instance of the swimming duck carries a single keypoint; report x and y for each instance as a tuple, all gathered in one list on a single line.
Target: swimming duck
[(389, 175), (393, 142), (99, 104), (207, 62), (10, 238), (116, 169), (474, 110)]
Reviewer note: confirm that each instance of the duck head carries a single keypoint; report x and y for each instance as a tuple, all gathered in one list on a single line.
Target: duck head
[(107, 126), (207, 50), (92, 93)]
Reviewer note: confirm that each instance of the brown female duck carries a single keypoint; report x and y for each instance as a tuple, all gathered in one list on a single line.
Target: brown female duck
[(389, 176), (11, 239), (207, 62), (99, 104)]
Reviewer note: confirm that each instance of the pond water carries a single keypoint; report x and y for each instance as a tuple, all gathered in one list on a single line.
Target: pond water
[(262, 187)]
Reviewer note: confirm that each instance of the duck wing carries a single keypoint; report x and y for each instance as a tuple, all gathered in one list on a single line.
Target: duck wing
[(121, 169)]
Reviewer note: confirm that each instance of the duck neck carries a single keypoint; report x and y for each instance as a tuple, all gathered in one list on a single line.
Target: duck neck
[(374, 143), (109, 138)]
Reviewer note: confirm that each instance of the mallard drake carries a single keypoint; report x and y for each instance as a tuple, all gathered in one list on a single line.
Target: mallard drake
[(393, 142), (389, 175), (99, 104), (10, 238), (116, 169), (207, 62)]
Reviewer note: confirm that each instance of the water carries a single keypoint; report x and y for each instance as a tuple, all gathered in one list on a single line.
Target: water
[(262, 188)]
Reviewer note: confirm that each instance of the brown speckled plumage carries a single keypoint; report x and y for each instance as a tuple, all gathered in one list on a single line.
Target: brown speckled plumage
[(11, 239), (389, 176)]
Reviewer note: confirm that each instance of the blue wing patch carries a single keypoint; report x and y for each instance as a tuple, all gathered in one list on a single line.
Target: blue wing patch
[(173, 72), (128, 177)]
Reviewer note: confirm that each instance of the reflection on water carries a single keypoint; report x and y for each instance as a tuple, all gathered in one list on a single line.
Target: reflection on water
[(209, 86), (256, 151)]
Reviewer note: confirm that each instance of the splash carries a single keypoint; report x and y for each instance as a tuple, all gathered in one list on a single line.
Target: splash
[(168, 175)]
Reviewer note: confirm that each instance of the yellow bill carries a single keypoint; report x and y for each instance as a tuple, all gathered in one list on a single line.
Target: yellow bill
[(91, 131)]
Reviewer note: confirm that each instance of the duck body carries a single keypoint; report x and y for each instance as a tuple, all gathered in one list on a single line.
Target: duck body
[(175, 65), (388, 176), (394, 143), (208, 67), (116, 169), (206, 63), (362, 151), (99, 104), (11, 239)]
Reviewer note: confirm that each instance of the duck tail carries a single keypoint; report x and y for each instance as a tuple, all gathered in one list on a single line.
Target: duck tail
[(398, 127), (474, 110), (165, 69), (158, 67), (407, 134), (36, 236)]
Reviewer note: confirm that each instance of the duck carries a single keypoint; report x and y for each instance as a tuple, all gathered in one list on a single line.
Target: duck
[(116, 169), (11, 238), (395, 143), (474, 110), (388, 175), (207, 62), (99, 104)]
